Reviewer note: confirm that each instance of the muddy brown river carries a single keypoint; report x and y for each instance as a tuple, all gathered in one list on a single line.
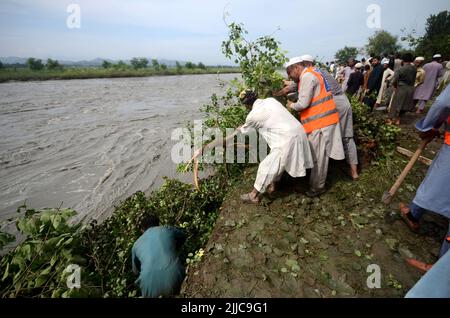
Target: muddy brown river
[(88, 144)]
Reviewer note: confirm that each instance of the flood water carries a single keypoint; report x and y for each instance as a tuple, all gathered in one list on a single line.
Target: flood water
[(88, 144)]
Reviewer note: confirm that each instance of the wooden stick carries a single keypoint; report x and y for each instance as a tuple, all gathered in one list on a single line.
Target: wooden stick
[(390, 194), (409, 154), (210, 145)]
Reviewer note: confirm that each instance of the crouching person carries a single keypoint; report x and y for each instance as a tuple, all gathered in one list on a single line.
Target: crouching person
[(289, 146), (155, 258)]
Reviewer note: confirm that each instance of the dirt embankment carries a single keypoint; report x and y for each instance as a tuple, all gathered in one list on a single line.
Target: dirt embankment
[(294, 246)]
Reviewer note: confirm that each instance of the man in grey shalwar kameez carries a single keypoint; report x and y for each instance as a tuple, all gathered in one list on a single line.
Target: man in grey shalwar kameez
[(325, 142), (434, 191), (433, 71), (345, 118), (403, 82)]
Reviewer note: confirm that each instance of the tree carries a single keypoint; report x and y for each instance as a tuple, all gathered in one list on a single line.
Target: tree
[(382, 42), (106, 64), (190, 65), (35, 64), (346, 53), (437, 36), (178, 66), (139, 63), (201, 66), (155, 64), (1, 66), (259, 60), (120, 65), (163, 66), (53, 64)]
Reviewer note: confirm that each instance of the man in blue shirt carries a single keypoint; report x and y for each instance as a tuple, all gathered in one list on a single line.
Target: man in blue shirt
[(155, 256)]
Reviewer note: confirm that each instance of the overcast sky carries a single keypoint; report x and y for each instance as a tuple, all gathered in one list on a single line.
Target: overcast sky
[(194, 29)]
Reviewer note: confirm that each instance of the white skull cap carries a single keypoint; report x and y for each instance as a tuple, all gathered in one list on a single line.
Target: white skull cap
[(292, 61), (307, 58)]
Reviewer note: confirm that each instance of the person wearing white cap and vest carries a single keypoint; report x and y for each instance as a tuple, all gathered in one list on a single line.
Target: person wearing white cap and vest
[(383, 94), (424, 91), (319, 117), (344, 109)]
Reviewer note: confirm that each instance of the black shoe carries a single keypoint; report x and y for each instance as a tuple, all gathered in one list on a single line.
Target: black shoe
[(316, 193)]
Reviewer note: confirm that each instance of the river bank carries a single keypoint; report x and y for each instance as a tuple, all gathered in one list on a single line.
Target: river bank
[(7, 75), (294, 246), (288, 246)]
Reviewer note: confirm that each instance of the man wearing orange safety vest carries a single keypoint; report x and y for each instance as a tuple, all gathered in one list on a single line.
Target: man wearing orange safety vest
[(319, 117), (434, 191)]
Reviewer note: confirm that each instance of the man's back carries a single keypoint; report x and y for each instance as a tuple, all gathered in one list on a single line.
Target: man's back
[(155, 256)]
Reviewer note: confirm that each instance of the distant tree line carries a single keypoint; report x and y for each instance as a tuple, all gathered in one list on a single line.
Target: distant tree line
[(382, 43), (37, 64), (141, 63), (136, 63)]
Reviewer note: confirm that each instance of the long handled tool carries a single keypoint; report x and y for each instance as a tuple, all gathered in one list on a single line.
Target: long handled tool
[(388, 195)]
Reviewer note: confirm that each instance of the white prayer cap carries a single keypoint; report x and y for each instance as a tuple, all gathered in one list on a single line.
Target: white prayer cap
[(293, 61), (436, 56), (307, 58), (358, 65), (420, 58), (385, 61)]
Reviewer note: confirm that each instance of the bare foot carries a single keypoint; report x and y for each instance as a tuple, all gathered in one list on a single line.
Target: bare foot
[(250, 198), (354, 172), (271, 188)]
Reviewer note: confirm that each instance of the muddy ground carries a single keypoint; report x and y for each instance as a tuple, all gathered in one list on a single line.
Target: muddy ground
[(294, 246)]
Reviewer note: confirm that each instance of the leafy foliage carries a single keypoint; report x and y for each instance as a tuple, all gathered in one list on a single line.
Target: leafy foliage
[(53, 65), (346, 53), (138, 63), (436, 38), (6, 238), (178, 67), (382, 42), (258, 60), (106, 64), (35, 64), (190, 65), (36, 267), (373, 136), (121, 65), (155, 64)]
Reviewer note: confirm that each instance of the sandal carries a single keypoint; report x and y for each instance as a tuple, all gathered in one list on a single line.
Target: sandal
[(419, 265)]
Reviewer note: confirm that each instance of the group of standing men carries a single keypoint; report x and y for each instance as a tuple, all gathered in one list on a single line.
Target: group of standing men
[(396, 84)]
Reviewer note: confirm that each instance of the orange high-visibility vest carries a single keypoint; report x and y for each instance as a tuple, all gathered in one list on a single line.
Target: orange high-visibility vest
[(447, 131), (322, 111)]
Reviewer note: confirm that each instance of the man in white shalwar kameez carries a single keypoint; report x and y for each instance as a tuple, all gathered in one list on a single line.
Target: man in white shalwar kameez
[(325, 139), (289, 147), (388, 74)]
